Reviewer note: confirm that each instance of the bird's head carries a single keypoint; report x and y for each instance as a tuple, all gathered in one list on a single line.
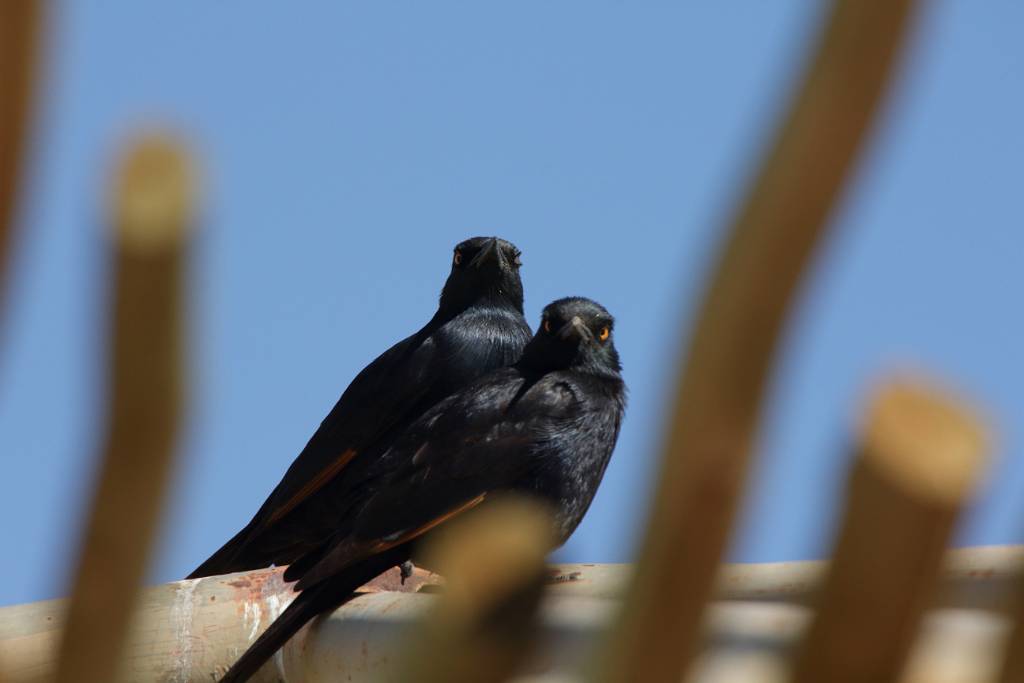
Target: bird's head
[(574, 333), (483, 269)]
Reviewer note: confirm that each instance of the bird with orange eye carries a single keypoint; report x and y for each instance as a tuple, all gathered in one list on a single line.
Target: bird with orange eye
[(576, 331), (602, 333), (488, 266)]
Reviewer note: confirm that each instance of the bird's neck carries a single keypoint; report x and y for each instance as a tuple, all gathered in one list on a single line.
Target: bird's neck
[(496, 305), (532, 365)]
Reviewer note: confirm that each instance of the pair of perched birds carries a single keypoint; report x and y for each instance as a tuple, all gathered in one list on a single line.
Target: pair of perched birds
[(470, 407)]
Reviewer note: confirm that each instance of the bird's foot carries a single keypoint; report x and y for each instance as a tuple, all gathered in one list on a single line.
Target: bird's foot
[(406, 569), (557, 575)]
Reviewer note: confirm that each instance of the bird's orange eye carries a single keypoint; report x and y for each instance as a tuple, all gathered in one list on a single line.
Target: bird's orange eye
[(457, 259), (603, 334), (547, 325)]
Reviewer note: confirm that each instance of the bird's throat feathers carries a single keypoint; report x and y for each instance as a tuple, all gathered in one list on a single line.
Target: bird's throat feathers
[(540, 356), (497, 296)]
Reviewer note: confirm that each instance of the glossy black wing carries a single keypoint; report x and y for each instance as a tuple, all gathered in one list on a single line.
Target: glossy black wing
[(380, 397), (474, 444), (396, 388)]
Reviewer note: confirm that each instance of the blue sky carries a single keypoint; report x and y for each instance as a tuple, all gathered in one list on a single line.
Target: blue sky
[(347, 147)]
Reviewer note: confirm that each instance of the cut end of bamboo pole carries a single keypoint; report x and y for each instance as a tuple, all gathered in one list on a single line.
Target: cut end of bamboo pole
[(493, 564), (487, 552), (153, 194), (920, 455), (924, 441), (151, 213)]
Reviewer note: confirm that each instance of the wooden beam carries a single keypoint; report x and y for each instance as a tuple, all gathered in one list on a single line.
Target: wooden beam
[(188, 630), (194, 630)]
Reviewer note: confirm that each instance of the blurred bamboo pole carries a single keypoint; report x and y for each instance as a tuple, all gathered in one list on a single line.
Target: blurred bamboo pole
[(483, 626), (919, 461), (727, 365), (151, 213), (20, 24), (1012, 668)]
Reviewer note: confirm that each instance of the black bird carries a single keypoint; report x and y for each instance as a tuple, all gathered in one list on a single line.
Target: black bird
[(544, 427), (478, 327)]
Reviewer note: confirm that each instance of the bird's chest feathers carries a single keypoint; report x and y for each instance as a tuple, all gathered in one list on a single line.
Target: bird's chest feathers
[(572, 454), (569, 465)]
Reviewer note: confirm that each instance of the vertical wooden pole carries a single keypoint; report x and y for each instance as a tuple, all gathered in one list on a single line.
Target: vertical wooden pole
[(19, 31), (919, 460), (152, 213), (1012, 668), (493, 564)]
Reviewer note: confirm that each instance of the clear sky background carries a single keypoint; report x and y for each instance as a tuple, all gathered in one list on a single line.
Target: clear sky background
[(347, 147)]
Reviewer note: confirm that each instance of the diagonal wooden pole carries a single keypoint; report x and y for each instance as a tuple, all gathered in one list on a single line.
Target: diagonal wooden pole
[(20, 24), (728, 362)]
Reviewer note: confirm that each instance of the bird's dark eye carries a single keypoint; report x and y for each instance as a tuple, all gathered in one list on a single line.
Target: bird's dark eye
[(547, 325), (604, 333), (457, 259)]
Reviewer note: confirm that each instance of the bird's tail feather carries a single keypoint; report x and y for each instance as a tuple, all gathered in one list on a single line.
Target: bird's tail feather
[(314, 600)]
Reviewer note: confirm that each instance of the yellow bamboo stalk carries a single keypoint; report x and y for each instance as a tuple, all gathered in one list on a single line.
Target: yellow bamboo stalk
[(1012, 668), (919, 461), (493, 564), (727, 365), (151, 212), (19, 31)]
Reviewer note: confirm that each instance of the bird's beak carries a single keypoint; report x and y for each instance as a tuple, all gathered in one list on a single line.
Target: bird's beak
[(576, 328), (490, 252)]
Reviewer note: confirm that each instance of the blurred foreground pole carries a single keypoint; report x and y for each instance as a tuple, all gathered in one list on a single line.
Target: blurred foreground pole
[(19, 31), (734, 339), (1012, 669), (484, 623), (152, 213), (920, 458)]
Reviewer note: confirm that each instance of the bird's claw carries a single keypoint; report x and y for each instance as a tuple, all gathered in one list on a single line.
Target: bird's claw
[(406, 570), (556, 575)]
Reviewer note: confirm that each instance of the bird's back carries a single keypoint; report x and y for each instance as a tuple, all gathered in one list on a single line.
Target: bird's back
[(382, 400)]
